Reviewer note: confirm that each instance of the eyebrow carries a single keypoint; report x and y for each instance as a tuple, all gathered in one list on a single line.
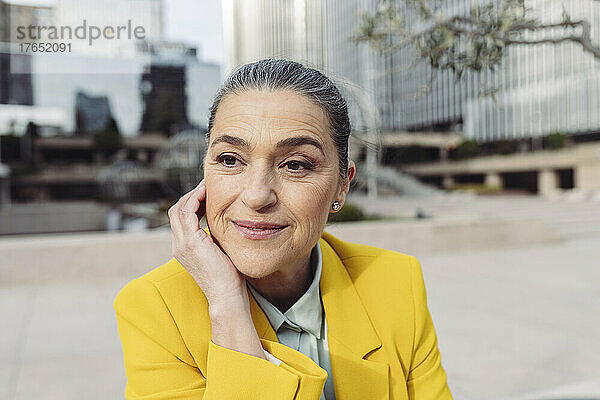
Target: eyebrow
[(233, 140), (298, 141), (285, 143)]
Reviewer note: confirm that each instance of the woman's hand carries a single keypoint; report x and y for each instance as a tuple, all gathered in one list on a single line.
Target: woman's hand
[(221, 282), (210, 267)]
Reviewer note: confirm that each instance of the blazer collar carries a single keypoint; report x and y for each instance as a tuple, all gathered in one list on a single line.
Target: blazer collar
[(347, 319), (350, 334), (261, 322)]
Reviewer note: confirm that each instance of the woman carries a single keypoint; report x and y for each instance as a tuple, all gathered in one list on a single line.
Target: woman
[(264, 304)]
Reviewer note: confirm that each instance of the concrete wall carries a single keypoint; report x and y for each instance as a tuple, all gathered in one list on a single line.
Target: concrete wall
[(97, 256), (52, 217), (421, 237)]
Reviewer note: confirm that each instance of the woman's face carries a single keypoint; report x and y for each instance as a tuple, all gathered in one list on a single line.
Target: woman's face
[(271, 174)]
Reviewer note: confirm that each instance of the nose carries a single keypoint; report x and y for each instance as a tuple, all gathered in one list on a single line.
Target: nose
[(258, 192)]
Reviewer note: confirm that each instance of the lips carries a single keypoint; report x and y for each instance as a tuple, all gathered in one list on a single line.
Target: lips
[(258, 229)]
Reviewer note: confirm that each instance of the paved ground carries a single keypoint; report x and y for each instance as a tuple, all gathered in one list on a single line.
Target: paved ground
[(512, 323), (516, 323)]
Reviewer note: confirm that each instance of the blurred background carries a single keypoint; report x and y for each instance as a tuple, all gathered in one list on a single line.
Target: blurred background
[(476, 133)]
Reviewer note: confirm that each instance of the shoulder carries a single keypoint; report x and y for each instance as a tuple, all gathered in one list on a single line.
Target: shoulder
[(390, 286), (162, 288), (359, 258), (168, 306), (395, 277), (165, 271), (161, 278), (146, 286)]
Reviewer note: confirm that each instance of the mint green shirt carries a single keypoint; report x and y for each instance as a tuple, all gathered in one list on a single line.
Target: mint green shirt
[(303, 327)]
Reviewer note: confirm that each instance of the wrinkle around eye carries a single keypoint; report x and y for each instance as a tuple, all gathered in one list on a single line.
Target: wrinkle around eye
[(218, 166)]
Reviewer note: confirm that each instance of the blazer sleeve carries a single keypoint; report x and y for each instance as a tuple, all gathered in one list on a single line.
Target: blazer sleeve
[(426, 379), (159, 366)]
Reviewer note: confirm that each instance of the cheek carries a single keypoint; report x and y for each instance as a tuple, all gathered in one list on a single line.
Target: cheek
[(309, 203), (218, 198)]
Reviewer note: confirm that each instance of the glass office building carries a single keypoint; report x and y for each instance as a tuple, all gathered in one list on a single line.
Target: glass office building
[(539, 89)]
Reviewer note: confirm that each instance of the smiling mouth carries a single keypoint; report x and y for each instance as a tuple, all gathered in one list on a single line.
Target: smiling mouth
[(258, 230)]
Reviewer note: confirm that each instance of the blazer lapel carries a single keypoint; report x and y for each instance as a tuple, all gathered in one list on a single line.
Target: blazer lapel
[(350, 334), (261, 322)]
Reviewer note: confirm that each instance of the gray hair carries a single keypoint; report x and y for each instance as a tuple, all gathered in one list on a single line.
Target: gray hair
[(276, 74)]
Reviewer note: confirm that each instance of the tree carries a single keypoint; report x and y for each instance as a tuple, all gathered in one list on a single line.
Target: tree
[(472, 42), (465, 150), (555, 141)]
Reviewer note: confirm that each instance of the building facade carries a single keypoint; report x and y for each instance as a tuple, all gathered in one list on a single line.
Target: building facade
[(541, 90), (315, 32), (545, 88), (126, 90), (125, 73)]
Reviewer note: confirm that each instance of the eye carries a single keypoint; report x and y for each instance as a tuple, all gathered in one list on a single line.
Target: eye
[(298, 166), (294, 165), (228, 160)]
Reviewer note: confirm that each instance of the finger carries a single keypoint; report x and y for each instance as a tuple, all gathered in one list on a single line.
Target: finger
[(183, 198), (187, 213), (202, 209), (174, 211), (190, 202)]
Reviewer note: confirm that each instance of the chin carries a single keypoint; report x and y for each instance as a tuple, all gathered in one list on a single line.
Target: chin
[(254, 259), (254, 268), (253, 262)]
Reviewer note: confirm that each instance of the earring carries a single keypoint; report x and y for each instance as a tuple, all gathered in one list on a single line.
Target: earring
[(335, 206)]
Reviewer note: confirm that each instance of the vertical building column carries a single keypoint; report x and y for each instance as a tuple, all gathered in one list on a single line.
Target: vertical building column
[(448, 181), (493, 180), (587, 176), (547, 182), (443, 154)]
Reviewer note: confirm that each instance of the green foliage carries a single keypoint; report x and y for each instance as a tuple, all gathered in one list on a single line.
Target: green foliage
[(467, 149), (555, 141), (464, 42), (504, 147), (349, 212)]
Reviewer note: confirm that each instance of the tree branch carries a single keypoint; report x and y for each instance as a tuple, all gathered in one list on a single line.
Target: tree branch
[(448, 42)]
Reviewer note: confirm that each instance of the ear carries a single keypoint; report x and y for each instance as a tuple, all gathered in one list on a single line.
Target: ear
[(341, 197)]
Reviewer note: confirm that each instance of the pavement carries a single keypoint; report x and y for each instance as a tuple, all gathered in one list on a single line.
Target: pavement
[(518, 322)]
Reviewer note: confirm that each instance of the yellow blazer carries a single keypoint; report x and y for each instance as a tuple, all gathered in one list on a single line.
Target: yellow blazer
[(381, 339)]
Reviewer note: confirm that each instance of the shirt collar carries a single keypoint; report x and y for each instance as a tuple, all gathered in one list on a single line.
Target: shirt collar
[(307, 312)]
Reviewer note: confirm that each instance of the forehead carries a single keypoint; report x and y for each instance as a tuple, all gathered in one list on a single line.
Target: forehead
[(274, 112)]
